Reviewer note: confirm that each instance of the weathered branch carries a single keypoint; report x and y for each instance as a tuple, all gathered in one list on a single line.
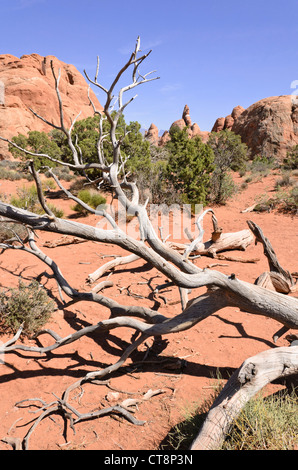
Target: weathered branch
[(226, 241), (278, 278), (251, 377), (248, 297), (119, 261)]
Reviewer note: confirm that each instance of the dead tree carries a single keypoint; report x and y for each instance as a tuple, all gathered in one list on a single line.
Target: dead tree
[(250, 378), (222, 290)]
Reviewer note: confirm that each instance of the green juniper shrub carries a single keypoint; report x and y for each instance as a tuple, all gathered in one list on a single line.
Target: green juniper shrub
[(230, 154), (36, 142), (134, 148), (189, 167)]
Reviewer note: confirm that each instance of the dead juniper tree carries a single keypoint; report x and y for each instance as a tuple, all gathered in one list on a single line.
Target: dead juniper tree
[(172, 261)]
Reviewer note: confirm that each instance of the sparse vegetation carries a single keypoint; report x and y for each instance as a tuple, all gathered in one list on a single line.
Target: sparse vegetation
[(92, 198), (28, 305), (27, 198), (284, 199), (10, 231), (269, 423), (182, 435), (258, 168), (13, 171), (284, 181), (291, 160), (63, 173)]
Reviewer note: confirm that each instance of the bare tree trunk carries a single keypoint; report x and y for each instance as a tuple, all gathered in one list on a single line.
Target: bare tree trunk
[(251, 377)]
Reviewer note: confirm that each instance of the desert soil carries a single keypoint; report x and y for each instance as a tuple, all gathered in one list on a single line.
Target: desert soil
[(184, 365)]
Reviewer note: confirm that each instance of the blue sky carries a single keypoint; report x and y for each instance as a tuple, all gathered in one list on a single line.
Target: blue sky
[(211, 55)]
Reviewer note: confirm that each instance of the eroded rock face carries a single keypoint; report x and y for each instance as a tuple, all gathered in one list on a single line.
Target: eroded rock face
[(28, 83), (236, 112), (186, 116), (269, 127), (219, 125), (164, 138), (227, 122), (193, 129), (152, 134)]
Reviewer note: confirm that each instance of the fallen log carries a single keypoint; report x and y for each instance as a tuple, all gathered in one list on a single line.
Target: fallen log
[(224, 242), (251, 377)]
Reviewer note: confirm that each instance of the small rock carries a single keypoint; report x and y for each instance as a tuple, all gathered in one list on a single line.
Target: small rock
[(112, 397)]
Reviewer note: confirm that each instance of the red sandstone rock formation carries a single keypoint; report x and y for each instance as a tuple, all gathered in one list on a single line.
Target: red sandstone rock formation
[(193, 129), (237, 111), (218, 125), (152, 134), (164, 138), (28, 82), (186, 116), (270, 126), (227, 122)]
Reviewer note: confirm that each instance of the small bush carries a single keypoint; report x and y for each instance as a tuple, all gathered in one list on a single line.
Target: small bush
[(28, 304), (222, 187), (289, 200), (59, 213), (62, 172), (260, 167), (10, 175), (291, 160), (90, 197), (282, 200), (27, 199), (284, 180), (10, 231), (77, 185)]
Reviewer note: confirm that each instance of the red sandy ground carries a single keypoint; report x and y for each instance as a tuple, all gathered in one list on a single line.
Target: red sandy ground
[(219, 344)]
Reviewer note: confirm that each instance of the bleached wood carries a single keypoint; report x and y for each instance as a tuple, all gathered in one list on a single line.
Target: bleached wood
[(226, 241), (119, 261), (249, 379)]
